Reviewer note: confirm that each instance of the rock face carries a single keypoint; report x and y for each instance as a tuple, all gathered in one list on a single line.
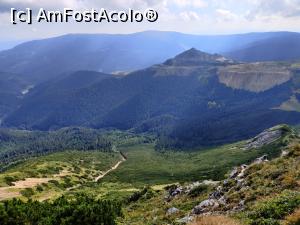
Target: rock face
[(266, 137), (254, 77)]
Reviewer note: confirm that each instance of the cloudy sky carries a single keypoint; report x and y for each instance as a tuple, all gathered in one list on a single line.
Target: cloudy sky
[(189, 16)]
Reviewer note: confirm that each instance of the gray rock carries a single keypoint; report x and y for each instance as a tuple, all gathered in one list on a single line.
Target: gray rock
[(234, 173), (205, 206), (218, 193), (240, 206), (241, 174), (262, 159), (172, 210), (185, 220), (284, 153), (240, 183), (226, 182), (177, 191), (222, 201)]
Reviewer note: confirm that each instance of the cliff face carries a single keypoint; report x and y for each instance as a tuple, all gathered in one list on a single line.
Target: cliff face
[(255, 77)]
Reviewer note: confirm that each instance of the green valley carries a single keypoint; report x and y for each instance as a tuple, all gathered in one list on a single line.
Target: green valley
[(141, 178)]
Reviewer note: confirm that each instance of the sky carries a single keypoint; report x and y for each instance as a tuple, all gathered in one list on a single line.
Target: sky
[(187, 16)]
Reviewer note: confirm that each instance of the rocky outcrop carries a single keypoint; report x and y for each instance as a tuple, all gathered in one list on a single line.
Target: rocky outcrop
[(266, 137), (176, 190), (254, 77), (262, 159), (206, 206), (217, 200)]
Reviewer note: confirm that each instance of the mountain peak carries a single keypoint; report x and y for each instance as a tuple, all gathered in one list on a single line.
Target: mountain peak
[(194, 57)]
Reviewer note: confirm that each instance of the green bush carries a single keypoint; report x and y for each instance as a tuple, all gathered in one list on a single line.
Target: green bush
[(39, 188), (263, 221), (196, 191), (82, 209), (9, 180), (137, 195), (271, 211), (27, 192), (55, 182)]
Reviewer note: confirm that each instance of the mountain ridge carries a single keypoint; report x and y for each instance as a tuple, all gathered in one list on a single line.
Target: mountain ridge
[(40, 60), (179, 99)]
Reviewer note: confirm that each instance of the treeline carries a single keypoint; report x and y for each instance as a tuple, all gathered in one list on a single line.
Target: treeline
[(82, 209), (17, 145)]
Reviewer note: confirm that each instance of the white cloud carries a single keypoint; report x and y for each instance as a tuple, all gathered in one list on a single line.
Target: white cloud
[(189, 3), (275, 8), (189, 16), (5, 5), (225, 15)]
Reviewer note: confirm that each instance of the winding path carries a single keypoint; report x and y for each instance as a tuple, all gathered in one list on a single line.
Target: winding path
[(112, 168)]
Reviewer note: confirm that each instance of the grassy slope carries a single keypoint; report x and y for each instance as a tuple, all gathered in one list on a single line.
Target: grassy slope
[(145, 166), (265, 184)]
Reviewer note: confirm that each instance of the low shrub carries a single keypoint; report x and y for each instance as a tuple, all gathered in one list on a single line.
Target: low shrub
[(269, 212), (9, 180), (196, 191), (81, 209), (215, 220), (27, 192)]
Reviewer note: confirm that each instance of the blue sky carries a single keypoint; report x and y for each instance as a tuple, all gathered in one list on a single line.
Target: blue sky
[(188, 16)]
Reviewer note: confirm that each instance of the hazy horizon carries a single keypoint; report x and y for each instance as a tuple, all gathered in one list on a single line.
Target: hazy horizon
[(201, 17), (6, 44)]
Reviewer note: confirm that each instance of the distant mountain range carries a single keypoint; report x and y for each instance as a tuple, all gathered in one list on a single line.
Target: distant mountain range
[(280, 47), (195, 98), (38, 61)]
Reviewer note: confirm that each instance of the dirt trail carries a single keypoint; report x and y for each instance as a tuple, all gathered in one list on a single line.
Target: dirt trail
[(111, 169)]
